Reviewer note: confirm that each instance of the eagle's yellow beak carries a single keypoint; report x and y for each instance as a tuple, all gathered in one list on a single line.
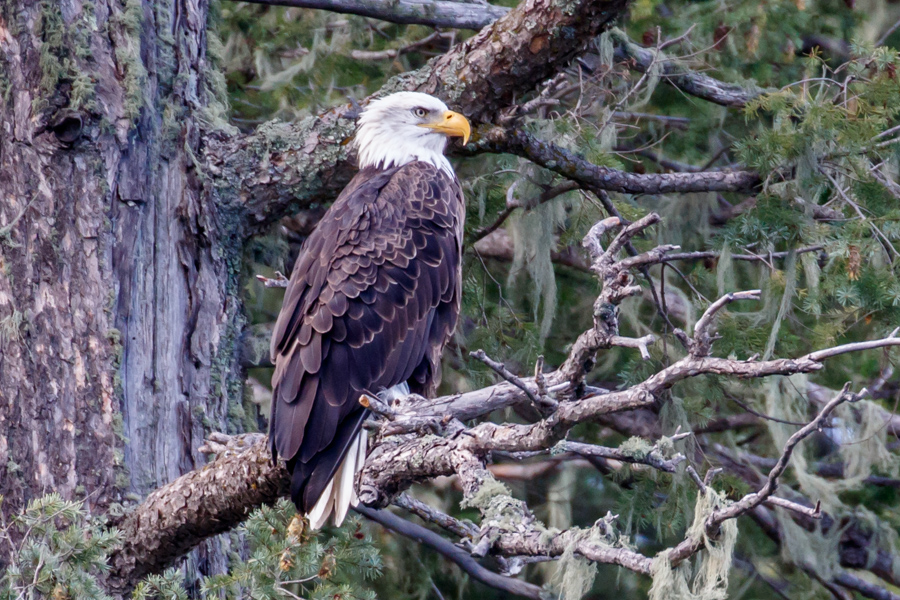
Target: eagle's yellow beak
[(451, 124)]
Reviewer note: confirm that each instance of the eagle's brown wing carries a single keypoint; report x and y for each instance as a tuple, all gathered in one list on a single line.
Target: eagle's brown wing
[(372, 300)]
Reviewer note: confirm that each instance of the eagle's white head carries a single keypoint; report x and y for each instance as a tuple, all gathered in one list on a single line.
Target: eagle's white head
[(407, 126)]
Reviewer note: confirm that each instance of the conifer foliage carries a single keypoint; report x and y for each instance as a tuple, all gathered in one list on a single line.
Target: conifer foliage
[(675, 371)]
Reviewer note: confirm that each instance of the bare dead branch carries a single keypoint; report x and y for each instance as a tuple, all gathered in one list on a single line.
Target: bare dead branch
[(703, 337), (457, 555), (890, 340), (641, 343), (688, 81), (435, 13), (463, 529), (279, 281), (281, 166), (705, 254), (506, 374), (813, 513), (652, 458), (594, 178)]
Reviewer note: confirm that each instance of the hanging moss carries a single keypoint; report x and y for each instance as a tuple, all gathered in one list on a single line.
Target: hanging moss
[(576, 574), (708, 580), (533, 240), (862, 446), (790, 286)]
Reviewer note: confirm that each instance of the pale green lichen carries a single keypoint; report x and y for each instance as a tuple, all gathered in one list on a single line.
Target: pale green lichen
[(710, 574), (863, 449), (482, 499), (575, 575), (636, 448)]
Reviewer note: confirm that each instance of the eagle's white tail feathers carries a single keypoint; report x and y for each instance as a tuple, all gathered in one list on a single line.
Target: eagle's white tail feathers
[(340, 494), (320, 512), (344, 483)]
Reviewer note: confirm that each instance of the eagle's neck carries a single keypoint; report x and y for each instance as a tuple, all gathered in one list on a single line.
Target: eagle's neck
[(384, 147)]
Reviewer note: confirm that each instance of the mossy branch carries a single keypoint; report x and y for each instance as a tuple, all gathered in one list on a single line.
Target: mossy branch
[(280, 166), (219, 496)]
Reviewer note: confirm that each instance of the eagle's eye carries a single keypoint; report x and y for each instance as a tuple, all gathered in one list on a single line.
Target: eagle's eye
[(420, 112)]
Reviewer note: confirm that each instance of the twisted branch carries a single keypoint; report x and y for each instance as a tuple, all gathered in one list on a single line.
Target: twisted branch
[(213, 499)]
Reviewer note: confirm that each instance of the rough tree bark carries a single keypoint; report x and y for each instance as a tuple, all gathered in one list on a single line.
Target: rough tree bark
[(126, 201), (182, 513), (117, 277)]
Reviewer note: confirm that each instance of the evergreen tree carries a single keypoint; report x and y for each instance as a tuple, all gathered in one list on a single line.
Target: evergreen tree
[(764, 136)]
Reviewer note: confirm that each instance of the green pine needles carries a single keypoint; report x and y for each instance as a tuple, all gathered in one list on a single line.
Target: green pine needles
[(286, 561), (58, 551)]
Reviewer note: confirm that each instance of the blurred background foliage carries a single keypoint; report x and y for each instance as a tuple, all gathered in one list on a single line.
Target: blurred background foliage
[(821, 238)]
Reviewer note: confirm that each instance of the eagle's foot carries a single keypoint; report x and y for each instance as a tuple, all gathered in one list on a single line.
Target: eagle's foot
[(418, 425)]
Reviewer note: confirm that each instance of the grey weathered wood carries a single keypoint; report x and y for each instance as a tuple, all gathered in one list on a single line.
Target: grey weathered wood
[(283, 166), (436, 13), (123, 217), (117, 278)]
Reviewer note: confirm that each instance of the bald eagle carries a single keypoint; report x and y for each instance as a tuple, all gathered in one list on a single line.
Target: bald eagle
[(373, 298)]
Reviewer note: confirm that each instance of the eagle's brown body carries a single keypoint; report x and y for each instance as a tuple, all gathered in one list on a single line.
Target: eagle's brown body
[(373, 298)]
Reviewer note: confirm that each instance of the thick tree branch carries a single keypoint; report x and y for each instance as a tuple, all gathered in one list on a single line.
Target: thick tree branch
[(453, 553), (197, 505), (594, 178), (280, 166), (213, 499), (435, 13), (475, 15)]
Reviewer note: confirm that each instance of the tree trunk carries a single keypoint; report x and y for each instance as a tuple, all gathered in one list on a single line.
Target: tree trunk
[(118, 308), (126, 201)]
